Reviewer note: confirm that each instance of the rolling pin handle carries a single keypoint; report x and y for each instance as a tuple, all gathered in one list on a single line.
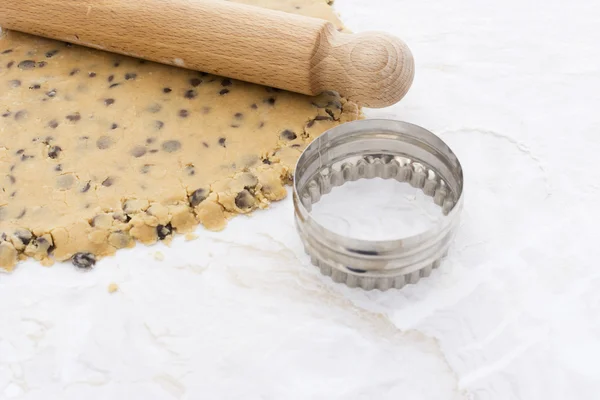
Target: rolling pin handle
[(373, 69)]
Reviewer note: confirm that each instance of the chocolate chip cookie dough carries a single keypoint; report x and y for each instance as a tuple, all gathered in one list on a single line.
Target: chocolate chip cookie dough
[(100, 151)]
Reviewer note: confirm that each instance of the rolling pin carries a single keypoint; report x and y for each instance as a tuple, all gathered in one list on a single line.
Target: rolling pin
[(286, 51)]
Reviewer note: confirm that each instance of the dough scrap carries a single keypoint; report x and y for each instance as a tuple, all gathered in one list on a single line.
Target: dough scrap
[(98, 151), (112, 287)]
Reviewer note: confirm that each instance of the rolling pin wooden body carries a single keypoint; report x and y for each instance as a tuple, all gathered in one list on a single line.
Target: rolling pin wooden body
[(286, 51)]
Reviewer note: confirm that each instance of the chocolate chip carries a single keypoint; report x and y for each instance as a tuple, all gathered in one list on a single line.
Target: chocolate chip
[(254, 106), (222, 142), (190, 170), (20, 151), (114, 85), (145, 168), (108, 102), (73, 117), (171, 146), (6, 114), (244, 200), (266, 161), (117, 63), (51, 93), (104, 142), (42, 64), (205, 145), (54, 152), (270, 101), (150, 140), (15, 83), (97, 219), (108, 182), (111, 78), (114, 126), (287, 135), (119, 239), (120, 216), (12, 179), (51, 53), (239, 116), (130, 76), (234, 125), (184, 113), (58, 168), (19, 115), (163, 231), (22, 213), (7, 51), (158, 125), (223, 92), (261, 124), (86, 187), (322, 118), (226, 82), (272, 89), (138, 151), (74, 72), (167, 90), (65, 181), (190, 94), (154, 108), (41, 245), (321, 102), (35, 87), (153, 151), (24, 236), (92, 74), (84, 260), (198, 196), (26, 64), (195, 82)]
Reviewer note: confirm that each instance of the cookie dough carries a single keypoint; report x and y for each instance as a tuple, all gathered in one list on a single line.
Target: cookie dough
[(100, 151), (113, 287)]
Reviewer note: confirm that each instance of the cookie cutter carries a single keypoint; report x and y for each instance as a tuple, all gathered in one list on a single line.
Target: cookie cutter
[(386, 149)]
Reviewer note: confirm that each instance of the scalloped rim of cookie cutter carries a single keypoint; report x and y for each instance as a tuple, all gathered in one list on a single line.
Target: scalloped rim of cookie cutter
[(387, 149)]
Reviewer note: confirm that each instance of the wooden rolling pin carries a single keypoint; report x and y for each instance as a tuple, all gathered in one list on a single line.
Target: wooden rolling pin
[(301, 54)]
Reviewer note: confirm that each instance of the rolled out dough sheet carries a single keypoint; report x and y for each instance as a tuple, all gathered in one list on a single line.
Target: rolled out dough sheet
[(100, 151)]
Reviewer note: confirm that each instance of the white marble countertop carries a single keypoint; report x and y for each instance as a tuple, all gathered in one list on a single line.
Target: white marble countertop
[(514, 312)]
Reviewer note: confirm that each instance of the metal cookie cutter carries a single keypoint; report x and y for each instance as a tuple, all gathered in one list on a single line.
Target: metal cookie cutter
[(391, 150)]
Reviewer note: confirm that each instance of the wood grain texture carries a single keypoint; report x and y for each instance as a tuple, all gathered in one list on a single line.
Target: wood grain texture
[(287, 51)]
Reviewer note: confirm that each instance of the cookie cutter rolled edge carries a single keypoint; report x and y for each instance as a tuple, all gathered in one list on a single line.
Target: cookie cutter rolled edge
[(386, 149)]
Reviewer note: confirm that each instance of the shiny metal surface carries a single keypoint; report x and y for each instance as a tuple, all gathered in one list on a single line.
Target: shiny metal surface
[(391, 150)]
